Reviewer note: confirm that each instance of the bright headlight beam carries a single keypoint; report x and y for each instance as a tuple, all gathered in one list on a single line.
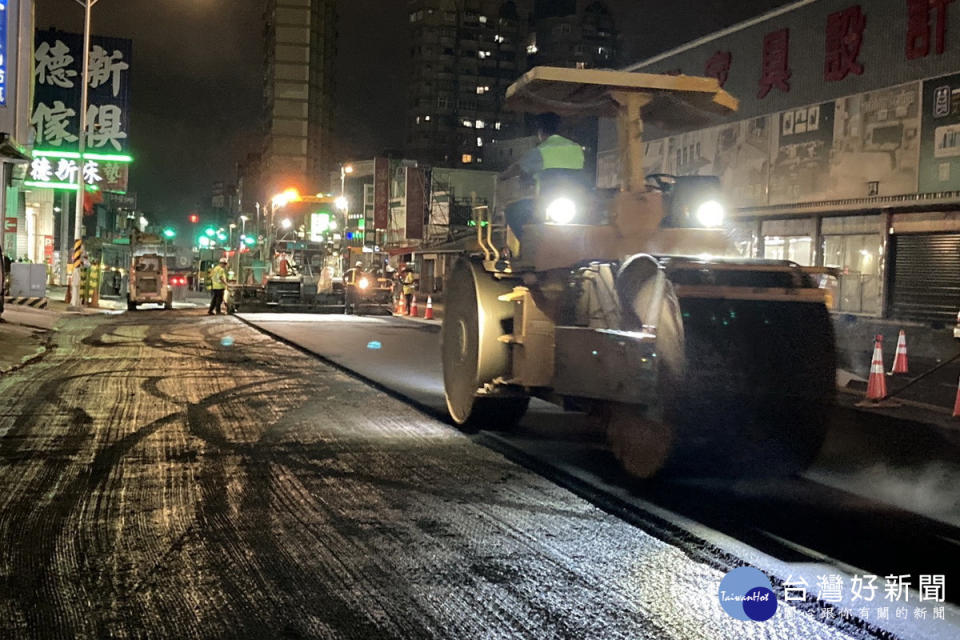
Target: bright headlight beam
[(363, 283), (710, 214), (561, 211)]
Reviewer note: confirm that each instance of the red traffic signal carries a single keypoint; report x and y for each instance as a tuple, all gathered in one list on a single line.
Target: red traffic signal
[(194, 218)]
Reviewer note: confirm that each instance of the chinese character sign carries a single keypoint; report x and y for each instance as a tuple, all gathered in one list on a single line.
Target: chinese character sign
[(775, 63), (54, 171), (718, 66), (918, 27), (56, 112), (844, 37)]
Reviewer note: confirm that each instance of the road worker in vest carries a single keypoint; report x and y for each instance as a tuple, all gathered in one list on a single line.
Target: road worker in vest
[(555, 158)]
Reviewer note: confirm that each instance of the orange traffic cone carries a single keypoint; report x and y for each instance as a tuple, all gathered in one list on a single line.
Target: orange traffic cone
[(402, 308), (956, 404), (877, 384), (413, 306), (900, 361), (398, 307), (428, 314)]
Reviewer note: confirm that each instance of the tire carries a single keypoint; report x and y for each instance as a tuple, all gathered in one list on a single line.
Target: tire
[(471, 352)]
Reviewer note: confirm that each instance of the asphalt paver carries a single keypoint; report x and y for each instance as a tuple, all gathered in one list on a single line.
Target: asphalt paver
[(165, 474)]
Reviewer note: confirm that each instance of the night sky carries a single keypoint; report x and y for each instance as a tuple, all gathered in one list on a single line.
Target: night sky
[(196, 78)]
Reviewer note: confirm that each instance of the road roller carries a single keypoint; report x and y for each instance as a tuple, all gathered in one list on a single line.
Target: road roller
[(635, 308)]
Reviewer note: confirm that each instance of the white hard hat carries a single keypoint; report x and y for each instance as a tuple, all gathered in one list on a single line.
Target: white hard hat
[(224, 260), (358, 264)]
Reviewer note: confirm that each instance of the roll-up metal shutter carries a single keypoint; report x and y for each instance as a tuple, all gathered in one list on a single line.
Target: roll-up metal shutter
[(926, 277)]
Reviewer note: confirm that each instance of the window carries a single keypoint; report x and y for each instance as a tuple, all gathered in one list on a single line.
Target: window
[(466, 158), (532, 48), (479, 142), (468, 123), (482, 90), (858, 258), (483, 19), (581, 65), (499, 39), (481, 124), (443, 102), (797, 249), (497, 126)]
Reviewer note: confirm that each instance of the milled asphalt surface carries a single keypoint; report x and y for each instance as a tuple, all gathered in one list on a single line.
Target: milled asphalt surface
[(163, 474)]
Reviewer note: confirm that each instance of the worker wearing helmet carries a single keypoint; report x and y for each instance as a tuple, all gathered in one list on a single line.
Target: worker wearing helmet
[(218, 282), (556, 157)]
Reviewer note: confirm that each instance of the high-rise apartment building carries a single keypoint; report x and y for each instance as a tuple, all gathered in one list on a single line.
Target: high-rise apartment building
[(464, 54), (298, 95), (572, 33)]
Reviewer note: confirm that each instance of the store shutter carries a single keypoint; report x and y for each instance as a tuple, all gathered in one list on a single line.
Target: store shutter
[(926, 277)]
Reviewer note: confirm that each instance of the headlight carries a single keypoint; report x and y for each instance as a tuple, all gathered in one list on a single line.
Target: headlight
[(363, 283), (711, 214), (561, 211)]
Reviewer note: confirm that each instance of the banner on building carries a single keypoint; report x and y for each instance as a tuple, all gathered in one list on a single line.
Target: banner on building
[(940, 135), (381, 193), (416, 191), (58, 67)]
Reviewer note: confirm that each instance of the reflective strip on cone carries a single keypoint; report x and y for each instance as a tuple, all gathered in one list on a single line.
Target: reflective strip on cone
[(877, 384)]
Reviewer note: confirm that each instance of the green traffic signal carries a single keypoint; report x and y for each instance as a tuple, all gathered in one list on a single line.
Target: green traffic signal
[(169, 233), (210, 232)]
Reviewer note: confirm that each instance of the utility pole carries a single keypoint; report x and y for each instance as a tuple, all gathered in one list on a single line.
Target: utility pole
[(85, 79)]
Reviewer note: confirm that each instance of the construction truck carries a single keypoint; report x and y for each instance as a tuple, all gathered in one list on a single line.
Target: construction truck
[(302, 271), (148, 279), (367, 285), (634, 307)]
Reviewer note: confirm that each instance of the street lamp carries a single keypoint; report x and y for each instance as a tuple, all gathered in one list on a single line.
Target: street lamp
[(243, 223), (232, 227), (81, 144), (344, 170)]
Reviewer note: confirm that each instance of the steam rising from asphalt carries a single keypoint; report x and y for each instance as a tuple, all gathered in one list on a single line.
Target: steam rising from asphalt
[(930, 490)]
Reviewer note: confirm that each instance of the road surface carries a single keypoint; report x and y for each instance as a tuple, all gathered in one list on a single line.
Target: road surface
[(165, 474)]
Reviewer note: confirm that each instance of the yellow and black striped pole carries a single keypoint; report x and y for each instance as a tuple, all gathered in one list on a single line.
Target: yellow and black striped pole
[(77, 265)]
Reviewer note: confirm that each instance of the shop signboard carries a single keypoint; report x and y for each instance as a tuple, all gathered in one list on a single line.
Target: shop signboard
[(58, 67), (940, 135)]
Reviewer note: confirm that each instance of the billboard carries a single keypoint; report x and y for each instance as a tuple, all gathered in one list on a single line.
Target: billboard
[(940, 135), (57, 69), (416, 191)]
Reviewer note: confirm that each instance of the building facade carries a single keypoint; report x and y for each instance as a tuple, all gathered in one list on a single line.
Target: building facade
[(463, 56), (572, 33), (16, 87), (845, 151), (298, 96)]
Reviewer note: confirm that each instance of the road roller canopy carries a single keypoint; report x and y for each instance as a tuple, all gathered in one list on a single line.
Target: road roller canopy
[(668, 101)]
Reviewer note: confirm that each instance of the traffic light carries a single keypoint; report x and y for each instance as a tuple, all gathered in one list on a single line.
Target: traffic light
[(193, 218), (169, 233), (203, 241), (250, 241), (210, 232)]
